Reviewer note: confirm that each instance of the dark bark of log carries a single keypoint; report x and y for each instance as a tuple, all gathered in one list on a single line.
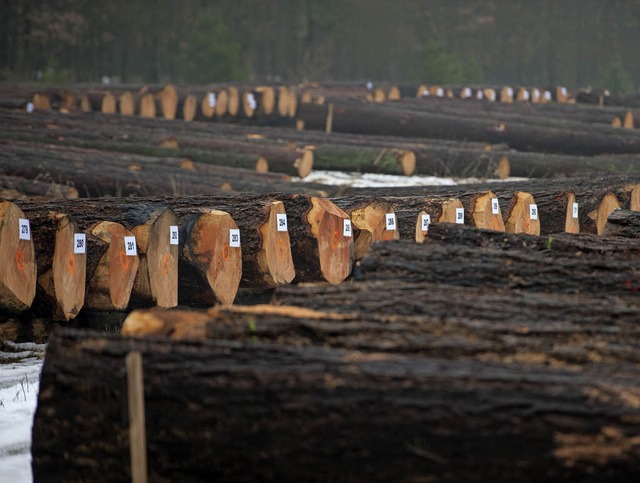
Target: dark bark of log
[(375, 119), (12, 187), (364, 160), (309, 417), (623, 223), (507, 267)]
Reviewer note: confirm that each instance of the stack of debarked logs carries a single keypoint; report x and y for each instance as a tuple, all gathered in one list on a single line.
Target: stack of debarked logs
[(115, 254)]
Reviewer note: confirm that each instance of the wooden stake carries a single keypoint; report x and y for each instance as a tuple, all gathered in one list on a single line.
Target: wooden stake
[(329, 124), (137, 434)]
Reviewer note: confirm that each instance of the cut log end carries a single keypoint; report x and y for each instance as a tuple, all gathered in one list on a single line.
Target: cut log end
[(634, 196), (572, 223), (335, 250), (112, 282), (18, 266), (608, 203), (178, 325), (109, 104), (189, 108), (449, 210), (158, 269), (210, 249), (65, 282), (370, 225), (485, 213), (304, 164), (222, 103), (421, 234), (521, 218), (147, 106), (262, 165), (126, 104), (168, 101), (628, 122), (616, 122), (275, 260), (267, 99), (233, 103), (504, 167), (407, 162)]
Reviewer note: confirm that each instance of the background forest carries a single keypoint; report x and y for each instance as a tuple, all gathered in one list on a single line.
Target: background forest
[(531, 42)]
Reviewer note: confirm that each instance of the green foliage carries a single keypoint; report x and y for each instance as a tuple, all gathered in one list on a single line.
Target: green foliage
[(615, 77), (208, 53), (442, 67)]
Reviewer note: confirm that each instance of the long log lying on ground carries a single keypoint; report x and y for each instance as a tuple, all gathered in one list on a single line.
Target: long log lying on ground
[(512, 266), (358, 316), (18, 268), (97, 173), (321, 238), (377, 119), (308, 416), (13, 188)]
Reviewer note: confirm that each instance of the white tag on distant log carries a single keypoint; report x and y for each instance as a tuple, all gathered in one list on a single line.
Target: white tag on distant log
[(575, 210), (130, 248), (533, 212), (563, 91), (509, 91), (282, 221), (466, 92), (425, 93), (495, 206), (479, 95), (234, 238), (369, 85), (346, 228), (391, 221), (79, 243), (525, 95), (251, 99), (212, 99), (25, 229), (547, 95), (440, 92), (460, 216), (173, 235), (426, 221), (29, 106)]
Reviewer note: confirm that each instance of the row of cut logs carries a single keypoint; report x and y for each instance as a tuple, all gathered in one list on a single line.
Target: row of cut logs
[(188, 242)]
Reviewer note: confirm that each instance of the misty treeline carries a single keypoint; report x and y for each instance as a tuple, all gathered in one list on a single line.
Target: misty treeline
[(529, 42)]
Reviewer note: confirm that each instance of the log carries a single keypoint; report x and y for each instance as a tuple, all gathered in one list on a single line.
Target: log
[(211, 263), (188, 107), (371, 220), (410, 210), (381, 119), (289, 413), (18, 272), (13, 187), (365, 160), (623, 223), (126, 104), (509, 266), (322, 246)]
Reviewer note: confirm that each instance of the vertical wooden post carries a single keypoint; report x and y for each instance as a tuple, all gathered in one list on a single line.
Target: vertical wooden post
[(137, 434), (329, 124)]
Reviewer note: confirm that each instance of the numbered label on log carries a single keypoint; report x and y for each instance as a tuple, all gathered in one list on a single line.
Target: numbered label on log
[(391, 221), (79, 243), (130, 248), (234, 238), (251, 100), (495, 206), (346, 228), (29, 107), (533, 212), (460, 216), (282, 221), (426, 221), (174, 237), (24, 229), (575, 210), (212, 100)]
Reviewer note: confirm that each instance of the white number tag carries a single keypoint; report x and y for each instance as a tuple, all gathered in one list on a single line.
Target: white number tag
[(282, 221), (234, 238), (251, 100), (426, 221), (391, 221), (575, 210), (79, 243), (212, 100), (29, 107), (25, 229), (346, 228), (460, 216), (533, 212), (130, 248), (173, 235), (495, 206)]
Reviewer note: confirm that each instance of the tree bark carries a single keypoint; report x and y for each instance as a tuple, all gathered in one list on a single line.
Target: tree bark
[(309, 416)]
